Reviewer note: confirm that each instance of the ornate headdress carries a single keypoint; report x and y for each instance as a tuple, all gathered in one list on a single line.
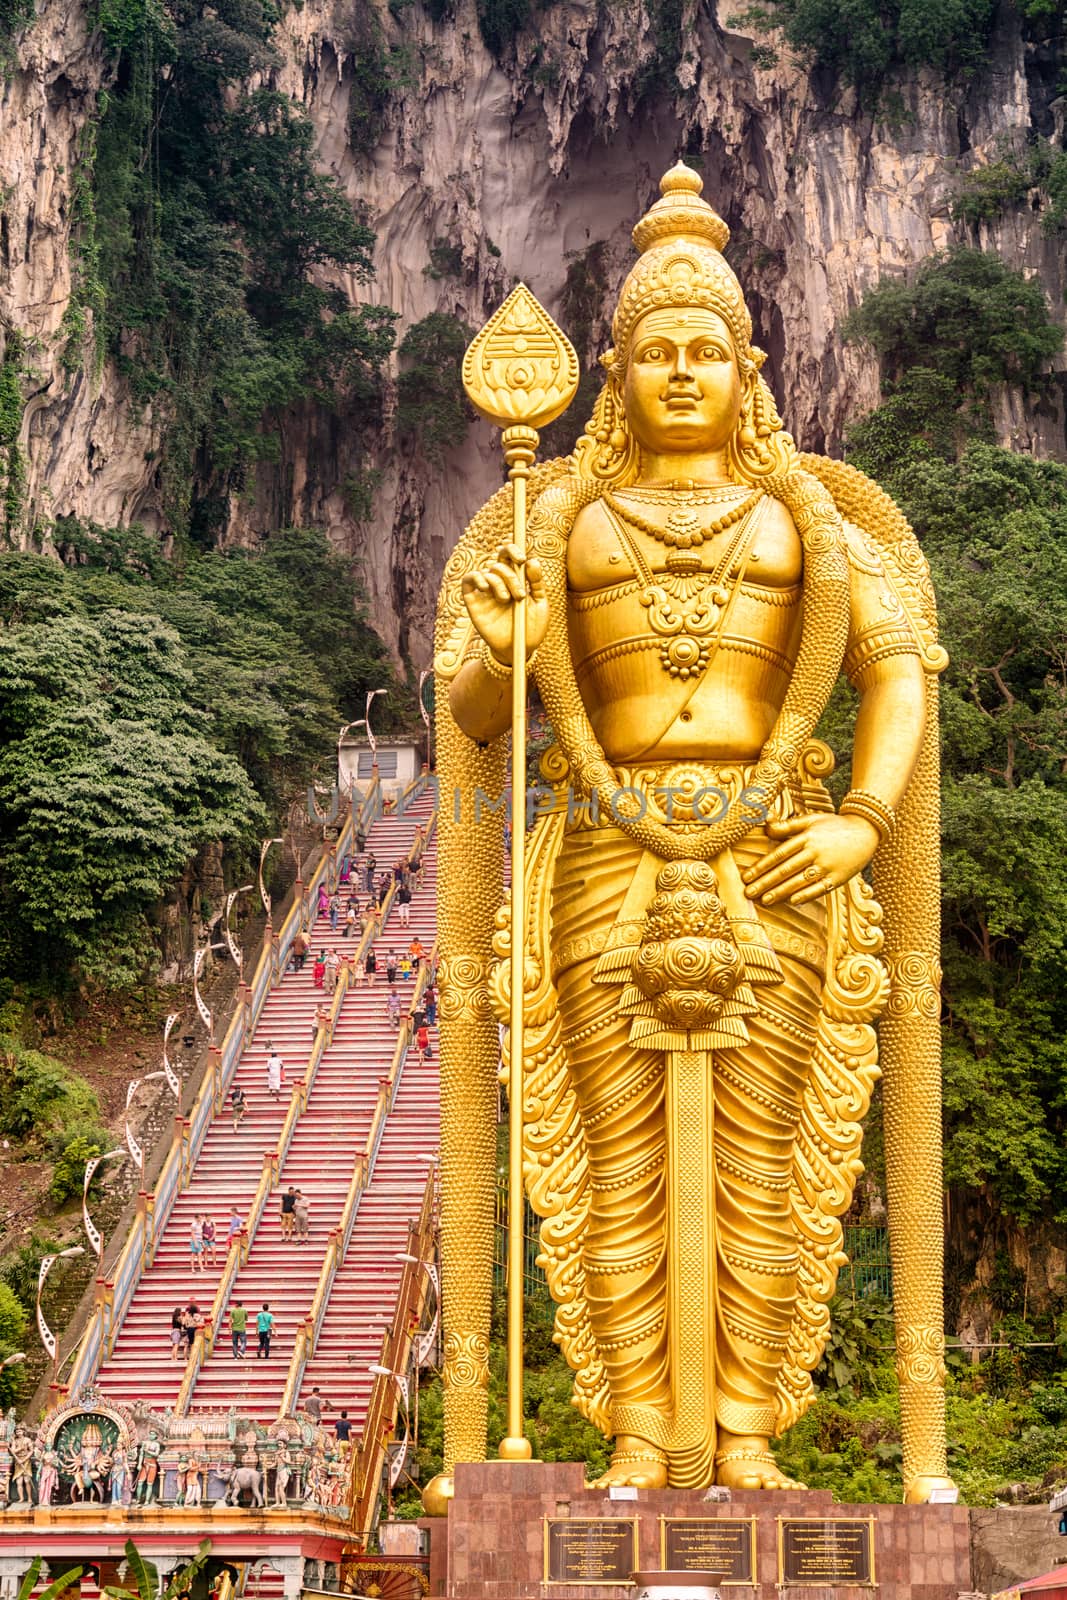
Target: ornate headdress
[(681, 264), (681, 239)]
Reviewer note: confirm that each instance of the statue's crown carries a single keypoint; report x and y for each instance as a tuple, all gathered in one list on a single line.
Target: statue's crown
[(680, 213), (681, 239)]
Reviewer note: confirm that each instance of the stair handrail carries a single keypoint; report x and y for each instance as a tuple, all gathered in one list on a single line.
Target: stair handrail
[(369, 1455), (152, 1216), (362, 1172), (273, 1162), (270, 1178)]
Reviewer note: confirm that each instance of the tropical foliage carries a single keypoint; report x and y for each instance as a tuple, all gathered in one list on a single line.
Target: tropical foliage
[(994, 528), (209, 246), (147, 710)]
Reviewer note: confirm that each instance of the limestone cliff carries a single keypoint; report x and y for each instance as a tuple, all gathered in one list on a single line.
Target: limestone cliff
[(519, 170)]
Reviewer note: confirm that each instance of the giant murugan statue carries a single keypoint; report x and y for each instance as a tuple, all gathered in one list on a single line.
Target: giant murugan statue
[(704, 959)]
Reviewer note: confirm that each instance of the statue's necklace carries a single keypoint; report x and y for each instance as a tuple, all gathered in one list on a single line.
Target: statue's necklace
[(687, 608), (683, 529)]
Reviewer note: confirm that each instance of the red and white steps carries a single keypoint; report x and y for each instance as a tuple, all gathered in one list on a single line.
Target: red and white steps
[(328, 1136)]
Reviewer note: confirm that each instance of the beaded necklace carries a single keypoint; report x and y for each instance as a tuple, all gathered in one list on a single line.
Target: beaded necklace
[(683, 529)]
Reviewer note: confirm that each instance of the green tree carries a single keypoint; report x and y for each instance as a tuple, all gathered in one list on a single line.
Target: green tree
[(432, 408), (862, 41), (207, 242), (964, 315), (993, 526)]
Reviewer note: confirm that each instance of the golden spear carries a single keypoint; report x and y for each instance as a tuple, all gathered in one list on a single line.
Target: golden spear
[(520, 373)]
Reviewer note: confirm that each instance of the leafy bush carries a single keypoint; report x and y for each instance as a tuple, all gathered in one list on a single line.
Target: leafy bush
[(500, 22), (861, 41), (13, 1321), (379, 70), (965, 315), (583, 296), (14, 16), (987, 191), (39, 1094), (432, 409), (202, 231), (20, 1269), (918, 420), (68, 1175), (12, 465)]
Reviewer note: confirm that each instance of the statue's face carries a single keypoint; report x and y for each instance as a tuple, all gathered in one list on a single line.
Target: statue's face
[(683, 387)]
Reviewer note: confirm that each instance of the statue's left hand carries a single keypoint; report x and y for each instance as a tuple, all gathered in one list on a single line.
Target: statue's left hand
[(818, 853)]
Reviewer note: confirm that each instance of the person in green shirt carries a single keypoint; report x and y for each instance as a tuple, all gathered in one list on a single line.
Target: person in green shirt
[(239, 1328), (264, 1324)]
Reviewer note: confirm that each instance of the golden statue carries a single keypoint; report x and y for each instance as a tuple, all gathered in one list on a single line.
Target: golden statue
[(703, 960)]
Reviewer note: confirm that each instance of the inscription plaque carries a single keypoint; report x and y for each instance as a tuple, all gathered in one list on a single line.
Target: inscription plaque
[(590, 1549), (815, 1550), (723, 1545)]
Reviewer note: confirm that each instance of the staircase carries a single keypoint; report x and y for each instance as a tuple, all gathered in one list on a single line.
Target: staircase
[(327, 1137), (365, 1287)]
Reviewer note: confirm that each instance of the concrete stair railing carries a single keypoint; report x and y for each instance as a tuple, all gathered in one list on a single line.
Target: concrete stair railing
[(368, 1458), (273, 1161)]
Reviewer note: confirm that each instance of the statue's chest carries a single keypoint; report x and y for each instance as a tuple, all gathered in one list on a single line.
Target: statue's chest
[(630, 592), (603, 554)]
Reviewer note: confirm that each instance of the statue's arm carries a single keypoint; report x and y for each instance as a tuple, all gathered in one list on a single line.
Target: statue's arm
[(481, 701), (883, 663), (822, 850)]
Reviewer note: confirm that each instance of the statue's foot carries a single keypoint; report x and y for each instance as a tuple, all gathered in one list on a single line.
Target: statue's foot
[(919, 1491), (635, 1464), (745, 1462)]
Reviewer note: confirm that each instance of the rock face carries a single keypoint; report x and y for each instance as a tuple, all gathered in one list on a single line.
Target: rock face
[(518, 171)]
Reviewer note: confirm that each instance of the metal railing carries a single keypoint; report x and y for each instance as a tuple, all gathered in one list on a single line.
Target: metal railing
[(113, 1295), (869, 1269), (237, 1255), (362, 1172), (370, 1454)]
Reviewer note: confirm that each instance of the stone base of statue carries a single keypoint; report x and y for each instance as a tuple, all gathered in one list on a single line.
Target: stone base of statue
[(533, 1531)]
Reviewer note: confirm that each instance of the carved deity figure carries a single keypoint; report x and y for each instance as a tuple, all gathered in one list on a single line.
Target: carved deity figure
[(283, 1473), (48, 1481), (704, 957), (120, 1476), (146, 1488), (22, 1469)]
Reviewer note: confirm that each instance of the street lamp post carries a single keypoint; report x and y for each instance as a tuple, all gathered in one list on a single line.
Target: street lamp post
[(168, 1071), (206, 1014), (395, 1467), (263, 895), (235, 950), (48, 1338), (92, 1232), (364, 722)]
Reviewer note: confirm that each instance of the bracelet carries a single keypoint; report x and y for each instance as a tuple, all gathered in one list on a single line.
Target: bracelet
[(495, 669), (862, 803)]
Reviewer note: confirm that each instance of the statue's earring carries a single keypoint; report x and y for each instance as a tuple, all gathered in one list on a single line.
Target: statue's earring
[(607, 451), (759, 447)]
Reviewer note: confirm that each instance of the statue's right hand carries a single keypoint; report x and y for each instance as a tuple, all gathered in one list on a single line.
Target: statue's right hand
[(490, 593)]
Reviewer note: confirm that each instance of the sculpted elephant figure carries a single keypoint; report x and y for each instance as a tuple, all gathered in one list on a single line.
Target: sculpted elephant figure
[(237, 1480)]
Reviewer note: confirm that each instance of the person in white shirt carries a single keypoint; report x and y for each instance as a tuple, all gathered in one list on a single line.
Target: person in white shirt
[(275, 1068)]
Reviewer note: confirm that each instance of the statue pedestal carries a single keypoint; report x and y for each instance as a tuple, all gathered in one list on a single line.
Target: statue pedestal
[(533, 1531)]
